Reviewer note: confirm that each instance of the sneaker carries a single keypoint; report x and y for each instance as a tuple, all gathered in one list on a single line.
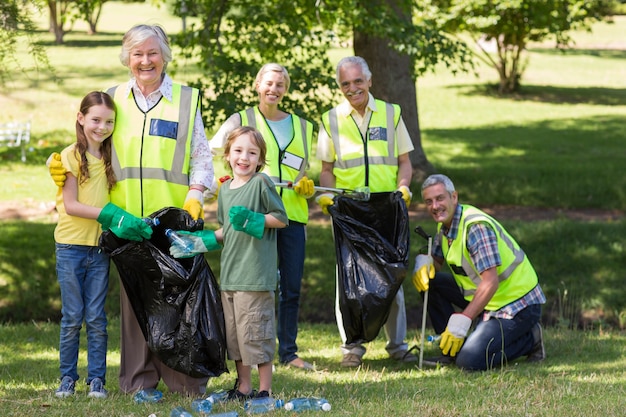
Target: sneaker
[(236, 395), (438, 361), (66, 388), (538, 352), (350, 360), (96, 389), (405, 356), (262, 394)]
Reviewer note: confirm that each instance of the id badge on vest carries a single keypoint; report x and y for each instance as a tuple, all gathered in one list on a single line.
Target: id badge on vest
[(163, 128), (377, 133), (292, 161)]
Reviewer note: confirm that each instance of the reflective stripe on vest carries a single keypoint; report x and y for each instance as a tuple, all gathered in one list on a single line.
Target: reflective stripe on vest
[(296, 206), (151, 150), (516, 276), (371, 161)]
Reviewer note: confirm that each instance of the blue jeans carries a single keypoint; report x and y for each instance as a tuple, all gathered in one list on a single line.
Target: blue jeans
[(291, 244), (493, 342), (83, 275)]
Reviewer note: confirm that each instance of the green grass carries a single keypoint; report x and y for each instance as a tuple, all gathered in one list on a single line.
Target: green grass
[(582, 376), (558, 144)]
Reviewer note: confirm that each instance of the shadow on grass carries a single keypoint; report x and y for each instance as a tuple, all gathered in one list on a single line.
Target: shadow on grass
[(599, 96), (76, 39), (564, 163), (619, 54)]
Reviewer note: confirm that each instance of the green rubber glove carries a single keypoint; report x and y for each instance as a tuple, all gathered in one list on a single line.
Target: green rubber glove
[(247, 221), (203, 241), (123, 224)]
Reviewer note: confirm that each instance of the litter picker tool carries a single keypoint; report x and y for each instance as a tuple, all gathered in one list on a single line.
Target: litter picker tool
[(360, 193), (429, 238)]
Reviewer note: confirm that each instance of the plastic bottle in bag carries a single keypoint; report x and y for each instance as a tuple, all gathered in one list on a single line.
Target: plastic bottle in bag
[(151, 222), (182, 242)]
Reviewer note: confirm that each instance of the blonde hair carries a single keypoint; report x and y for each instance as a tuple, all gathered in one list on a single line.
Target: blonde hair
[(272, 67)]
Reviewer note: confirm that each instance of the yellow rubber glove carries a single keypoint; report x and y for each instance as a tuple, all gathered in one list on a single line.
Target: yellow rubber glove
[(423, 272), (325, 200), (453, 337), (56, 169), (406, 194), (305, 187), (193, 204)]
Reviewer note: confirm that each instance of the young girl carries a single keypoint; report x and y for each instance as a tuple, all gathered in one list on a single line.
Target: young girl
[(249, 211), (82, 268)]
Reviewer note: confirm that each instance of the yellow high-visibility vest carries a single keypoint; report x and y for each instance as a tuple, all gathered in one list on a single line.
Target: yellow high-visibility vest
[(151, 151), (285, 165), (516, 274), (371, 161)]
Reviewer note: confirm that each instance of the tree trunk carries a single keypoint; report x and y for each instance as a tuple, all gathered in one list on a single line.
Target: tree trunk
[(56, 21), (392, 82)]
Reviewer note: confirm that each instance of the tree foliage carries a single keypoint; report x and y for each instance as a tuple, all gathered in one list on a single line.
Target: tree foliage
[(63, 14), (90, 11), (512, 24), (235, 38), (15, 25)]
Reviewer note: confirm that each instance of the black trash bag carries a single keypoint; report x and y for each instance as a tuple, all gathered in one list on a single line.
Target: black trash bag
[(372, 249), (177, 302)]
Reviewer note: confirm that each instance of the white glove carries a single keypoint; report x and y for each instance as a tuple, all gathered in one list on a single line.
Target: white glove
[(459, 324), (453, 337)]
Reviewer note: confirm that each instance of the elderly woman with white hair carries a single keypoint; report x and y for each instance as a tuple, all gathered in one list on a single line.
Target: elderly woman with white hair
[(161, 158)]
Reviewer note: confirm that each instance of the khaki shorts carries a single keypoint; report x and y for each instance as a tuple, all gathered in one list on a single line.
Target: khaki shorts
[(250, 334)]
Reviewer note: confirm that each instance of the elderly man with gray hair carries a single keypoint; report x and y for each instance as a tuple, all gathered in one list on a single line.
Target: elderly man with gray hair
[(492, 284)]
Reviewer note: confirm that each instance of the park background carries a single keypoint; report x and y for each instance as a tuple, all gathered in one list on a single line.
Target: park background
[(547, 161)]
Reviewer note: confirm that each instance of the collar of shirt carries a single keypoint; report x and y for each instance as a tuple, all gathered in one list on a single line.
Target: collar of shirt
[(345, 109), (452, 232), (164, 90)]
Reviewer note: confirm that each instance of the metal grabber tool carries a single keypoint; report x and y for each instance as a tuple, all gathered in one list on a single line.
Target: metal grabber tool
[(360, 193), (429, 238)]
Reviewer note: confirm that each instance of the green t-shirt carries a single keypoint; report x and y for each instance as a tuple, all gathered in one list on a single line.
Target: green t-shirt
[(248, 263)]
